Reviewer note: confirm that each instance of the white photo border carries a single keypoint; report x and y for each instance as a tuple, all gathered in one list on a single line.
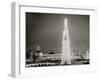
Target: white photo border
[(18, 59)]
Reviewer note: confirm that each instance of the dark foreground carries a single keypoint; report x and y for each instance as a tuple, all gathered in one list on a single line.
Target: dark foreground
[(55, 62)]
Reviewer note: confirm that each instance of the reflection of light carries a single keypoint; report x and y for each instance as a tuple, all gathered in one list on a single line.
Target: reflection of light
[(65, 44)]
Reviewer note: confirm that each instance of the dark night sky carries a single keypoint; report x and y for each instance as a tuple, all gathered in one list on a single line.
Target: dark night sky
[(45, 30)]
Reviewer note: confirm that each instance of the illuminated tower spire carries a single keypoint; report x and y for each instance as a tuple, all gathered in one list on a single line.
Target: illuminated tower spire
[(66, 55)]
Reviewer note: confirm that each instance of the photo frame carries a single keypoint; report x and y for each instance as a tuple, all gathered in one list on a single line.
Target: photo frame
[(21, 28)]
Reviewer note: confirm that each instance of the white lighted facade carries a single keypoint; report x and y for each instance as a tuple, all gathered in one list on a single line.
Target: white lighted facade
[(66, 54)]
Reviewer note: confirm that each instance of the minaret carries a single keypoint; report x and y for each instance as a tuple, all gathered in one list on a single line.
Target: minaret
[(66, 55)]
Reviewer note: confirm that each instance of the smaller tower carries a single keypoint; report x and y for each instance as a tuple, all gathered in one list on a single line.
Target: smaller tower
[(87, 54), (39, 53), (38, 48)]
